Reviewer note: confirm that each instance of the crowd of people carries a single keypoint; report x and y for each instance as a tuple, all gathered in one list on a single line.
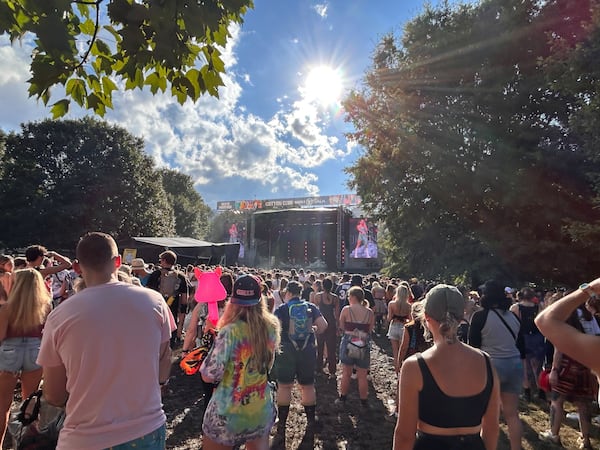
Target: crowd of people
[(102, 334)]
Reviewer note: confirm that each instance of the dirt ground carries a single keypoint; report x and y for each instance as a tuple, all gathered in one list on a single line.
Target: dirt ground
[(349, 429)]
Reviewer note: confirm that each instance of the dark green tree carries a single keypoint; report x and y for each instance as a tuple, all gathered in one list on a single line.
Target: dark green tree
[(468, 157), (65, 178), (162, 44), (191, 213)]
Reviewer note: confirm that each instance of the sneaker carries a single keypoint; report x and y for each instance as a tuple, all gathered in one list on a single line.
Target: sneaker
[(572, 416), (596, 420), (547, 436)]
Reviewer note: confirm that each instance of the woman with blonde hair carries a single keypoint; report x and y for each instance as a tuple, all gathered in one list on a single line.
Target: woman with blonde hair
[(242, 408), (356, 322), (21, 323), (398, 315)]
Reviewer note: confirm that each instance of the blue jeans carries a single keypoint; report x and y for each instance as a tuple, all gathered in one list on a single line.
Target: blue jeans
[(510, 373), (19, 354), (151, 441)]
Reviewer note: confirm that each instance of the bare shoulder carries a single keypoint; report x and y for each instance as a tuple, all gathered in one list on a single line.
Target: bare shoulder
[(410, 373)]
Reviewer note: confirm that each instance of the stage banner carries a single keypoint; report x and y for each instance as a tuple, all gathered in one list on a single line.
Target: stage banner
[(284, 203)]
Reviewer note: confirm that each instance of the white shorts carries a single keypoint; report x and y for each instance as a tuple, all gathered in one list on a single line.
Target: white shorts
[(395, 330)]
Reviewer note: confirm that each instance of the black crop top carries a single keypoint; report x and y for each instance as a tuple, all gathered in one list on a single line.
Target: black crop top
[(444, 411)]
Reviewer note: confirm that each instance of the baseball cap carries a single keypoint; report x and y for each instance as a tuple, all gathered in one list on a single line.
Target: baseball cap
[(442, 299), (246, 291)]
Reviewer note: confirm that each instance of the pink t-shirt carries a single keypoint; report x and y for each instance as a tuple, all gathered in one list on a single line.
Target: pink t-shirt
[(108, 338)]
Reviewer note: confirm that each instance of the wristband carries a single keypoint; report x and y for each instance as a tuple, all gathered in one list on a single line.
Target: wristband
[(585, 287)]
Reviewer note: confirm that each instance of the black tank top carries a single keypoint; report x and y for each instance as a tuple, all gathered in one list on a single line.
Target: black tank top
[(327, 309), (528, 314), (444, 411)]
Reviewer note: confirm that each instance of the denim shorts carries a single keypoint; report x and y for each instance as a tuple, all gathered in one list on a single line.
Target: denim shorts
[(362, 363), (396, 330), (19, 354), (510, 373), (151, 441)]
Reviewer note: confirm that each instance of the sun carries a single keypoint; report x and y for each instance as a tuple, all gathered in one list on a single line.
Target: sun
[(323, 85)]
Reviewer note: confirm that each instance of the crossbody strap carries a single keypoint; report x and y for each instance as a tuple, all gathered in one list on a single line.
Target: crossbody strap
[(505, 324)]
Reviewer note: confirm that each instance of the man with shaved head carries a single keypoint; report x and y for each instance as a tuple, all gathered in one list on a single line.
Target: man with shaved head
[(105, 352)]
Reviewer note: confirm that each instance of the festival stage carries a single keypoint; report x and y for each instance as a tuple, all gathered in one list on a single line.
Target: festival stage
[(317, 238)]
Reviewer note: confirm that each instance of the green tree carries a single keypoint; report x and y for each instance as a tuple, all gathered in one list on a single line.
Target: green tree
[(468, 157), (191, 213), (65, 178), (162, 44)]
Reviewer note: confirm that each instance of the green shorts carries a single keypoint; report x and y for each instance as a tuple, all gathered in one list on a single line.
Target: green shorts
[(292, 364)]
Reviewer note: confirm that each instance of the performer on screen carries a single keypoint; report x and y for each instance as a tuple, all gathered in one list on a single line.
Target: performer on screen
[(233, 233), (363, 237)]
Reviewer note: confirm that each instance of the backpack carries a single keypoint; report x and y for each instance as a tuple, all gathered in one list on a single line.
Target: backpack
[(169, 285), (300, 327), (380, 306)]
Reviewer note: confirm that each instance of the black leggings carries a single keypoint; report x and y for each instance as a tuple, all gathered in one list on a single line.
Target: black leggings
[(461, 442)]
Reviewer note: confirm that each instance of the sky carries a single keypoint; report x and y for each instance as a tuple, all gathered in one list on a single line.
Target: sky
[(277, 130)]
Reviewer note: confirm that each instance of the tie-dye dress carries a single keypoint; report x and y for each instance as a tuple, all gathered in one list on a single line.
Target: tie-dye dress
[(242, 407)]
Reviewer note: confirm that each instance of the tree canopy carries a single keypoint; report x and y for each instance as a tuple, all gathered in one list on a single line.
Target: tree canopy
[(476, 155), (191, 213), (88, 46), (62, 179)]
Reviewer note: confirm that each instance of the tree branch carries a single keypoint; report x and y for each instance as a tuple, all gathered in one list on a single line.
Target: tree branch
[(96, 27)]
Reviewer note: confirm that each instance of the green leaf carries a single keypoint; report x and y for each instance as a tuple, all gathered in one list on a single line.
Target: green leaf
[(60, 108), (156, 82), (88, 27), (108, 86), (112, 31), (136, 81), (96, 103), (83, 9), (75, 88), (192, 76)]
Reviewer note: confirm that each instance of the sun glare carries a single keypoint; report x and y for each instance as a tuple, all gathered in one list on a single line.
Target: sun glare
[(323, 85)]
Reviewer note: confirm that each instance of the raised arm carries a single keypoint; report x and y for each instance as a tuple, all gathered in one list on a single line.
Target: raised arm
[(63, 263), (551, 321)]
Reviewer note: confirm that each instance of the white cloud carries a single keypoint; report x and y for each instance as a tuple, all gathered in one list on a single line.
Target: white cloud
[(229, 152), (17, 107), (321, 9)]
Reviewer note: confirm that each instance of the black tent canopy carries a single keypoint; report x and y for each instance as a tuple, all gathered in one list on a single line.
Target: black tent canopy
[(188, 250)]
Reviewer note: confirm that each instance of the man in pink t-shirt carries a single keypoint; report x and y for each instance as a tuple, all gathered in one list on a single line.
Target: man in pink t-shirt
[(105, 352)]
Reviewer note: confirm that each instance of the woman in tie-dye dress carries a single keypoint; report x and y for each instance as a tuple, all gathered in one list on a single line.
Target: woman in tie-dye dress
[(242, 408)]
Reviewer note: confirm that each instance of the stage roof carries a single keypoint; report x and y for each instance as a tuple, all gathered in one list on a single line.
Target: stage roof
[(293, 210), (175, 242)]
